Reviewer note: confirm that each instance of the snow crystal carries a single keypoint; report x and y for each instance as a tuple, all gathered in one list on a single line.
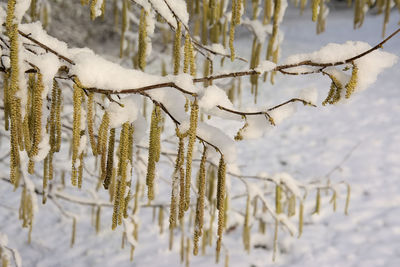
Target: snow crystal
[(126, 113), (265, 66)]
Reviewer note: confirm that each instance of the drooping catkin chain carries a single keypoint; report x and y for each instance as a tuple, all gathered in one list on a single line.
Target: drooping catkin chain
[(176, 189), (76, 132), (246, 226), (92, 8), (273, 48), (15, 113), (199, 220), (315, 9), (194, 114), (36, 126), (123, 169), (301, 220), (278, 210), (6, 103), (220, 203), (142, 50), (335, 91), (90, 122), (102, 144), (186, 55), (110, 159), (235, 20), (351, 85), (124, 26), (177, 48), (154, 150)]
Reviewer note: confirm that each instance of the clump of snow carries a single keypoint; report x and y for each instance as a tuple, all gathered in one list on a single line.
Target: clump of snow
[(282, 113), (184, 81), (265, 66), (178, 6), (95, 71), (215, 137), (214, 96), (36, 31), (256, 127), (309, 94), (21, 6), (126, 113), (44, 148), (289, 182), (218, 48), (48, 64)]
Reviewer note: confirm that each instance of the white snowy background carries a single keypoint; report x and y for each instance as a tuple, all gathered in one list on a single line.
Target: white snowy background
[(307, 145)]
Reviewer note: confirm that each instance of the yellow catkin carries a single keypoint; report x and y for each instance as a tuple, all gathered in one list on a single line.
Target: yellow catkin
[(73, 232), (278, 199), (142, 50), (204, 25), (199, 220), (123, 168), (90, 122), (177, 48), (6, 104), (267, 11), (175, 188), (194, 114), (351, 85), (116, 206), (52, 120), (333, 200), (220, 204), (272, 48), (76, 131), (186, 54), (110, 159), (318, 201), (93, 9), (45, 178), (303, 4), (292, 206), (80, 171), (102, 144), (301, 216), (321, 18), (12, 32), (315, 6), (103, 8), (187, 254), (124, 26), (154, 151), (346, 207), (98, 220), (58, 120), (161, 219), (246, 226)]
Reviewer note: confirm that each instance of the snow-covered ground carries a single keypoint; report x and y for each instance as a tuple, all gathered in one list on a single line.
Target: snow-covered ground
[(307, 145)]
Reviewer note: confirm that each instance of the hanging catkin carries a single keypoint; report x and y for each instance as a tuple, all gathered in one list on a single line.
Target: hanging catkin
[(351, 85), (90, 122), (199, 220), (177, 48), (110, 159), (76, 129), (220, 203), (273, 47), (194, 114), (154, 150), (102, 144), (142, 50)]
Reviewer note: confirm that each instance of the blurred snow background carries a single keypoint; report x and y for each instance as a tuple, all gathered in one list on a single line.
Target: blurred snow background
[(307, 145)]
